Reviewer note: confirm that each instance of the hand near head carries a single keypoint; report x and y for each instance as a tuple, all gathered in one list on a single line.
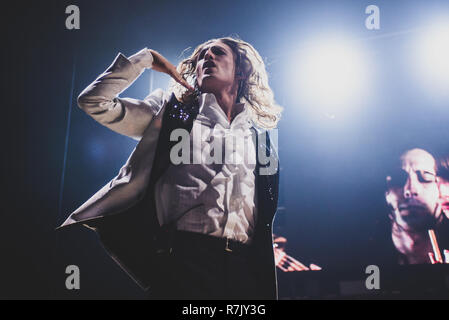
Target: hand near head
[(161, 64)]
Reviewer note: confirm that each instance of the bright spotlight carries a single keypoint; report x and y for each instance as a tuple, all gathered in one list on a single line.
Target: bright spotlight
[(432, 56), (331, 75)]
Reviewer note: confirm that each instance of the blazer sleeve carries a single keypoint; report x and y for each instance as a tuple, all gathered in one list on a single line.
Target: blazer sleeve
[(127, 116)]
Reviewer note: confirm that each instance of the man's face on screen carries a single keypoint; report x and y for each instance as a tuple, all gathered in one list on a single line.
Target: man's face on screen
[(413, 192)]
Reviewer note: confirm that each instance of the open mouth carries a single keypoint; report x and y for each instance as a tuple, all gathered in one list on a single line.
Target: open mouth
[(411, 206), (208, 64)]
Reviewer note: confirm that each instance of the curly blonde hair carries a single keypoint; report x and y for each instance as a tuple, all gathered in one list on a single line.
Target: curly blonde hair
[(253, 88)]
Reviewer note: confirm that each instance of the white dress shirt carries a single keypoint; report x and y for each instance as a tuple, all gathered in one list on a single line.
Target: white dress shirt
[(216, 199)]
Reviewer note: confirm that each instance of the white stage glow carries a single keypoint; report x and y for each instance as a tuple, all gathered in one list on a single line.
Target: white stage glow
[(331, 76), (431, 57)]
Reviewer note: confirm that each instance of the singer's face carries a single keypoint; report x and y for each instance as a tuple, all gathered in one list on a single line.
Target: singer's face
[(215, 67), (413, 192)]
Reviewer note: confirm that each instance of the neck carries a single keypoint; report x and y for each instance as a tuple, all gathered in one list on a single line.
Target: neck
[(226, 99)]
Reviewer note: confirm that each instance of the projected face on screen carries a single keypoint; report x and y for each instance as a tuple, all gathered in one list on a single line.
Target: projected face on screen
[(413, 193), (417, 194)]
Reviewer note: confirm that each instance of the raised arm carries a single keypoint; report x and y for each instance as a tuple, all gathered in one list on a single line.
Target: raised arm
[(126, 116)]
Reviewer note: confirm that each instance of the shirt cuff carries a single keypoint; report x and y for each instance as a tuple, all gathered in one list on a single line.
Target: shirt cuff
[(142, 59)]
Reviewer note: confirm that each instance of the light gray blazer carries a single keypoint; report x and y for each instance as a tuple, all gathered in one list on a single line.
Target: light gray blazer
[(138, 119)]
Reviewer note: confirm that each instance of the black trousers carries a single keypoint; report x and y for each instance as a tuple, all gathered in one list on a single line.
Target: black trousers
[(200, 267)]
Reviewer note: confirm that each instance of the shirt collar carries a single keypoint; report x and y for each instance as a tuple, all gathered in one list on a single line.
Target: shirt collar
[(211, 113)]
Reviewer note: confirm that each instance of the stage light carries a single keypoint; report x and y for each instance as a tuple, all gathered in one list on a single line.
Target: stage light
[(331, 76), (431, 57)]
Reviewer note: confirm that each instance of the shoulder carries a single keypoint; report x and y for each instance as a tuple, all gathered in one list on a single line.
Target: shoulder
[(157, 100)]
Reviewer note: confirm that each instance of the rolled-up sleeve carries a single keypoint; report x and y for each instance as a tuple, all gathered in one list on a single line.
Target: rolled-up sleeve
[(127, 116)]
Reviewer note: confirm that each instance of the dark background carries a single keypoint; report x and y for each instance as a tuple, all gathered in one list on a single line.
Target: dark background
[(333, 170)]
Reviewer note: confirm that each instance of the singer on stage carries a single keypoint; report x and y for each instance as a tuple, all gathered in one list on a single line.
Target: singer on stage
[(190, 218)]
